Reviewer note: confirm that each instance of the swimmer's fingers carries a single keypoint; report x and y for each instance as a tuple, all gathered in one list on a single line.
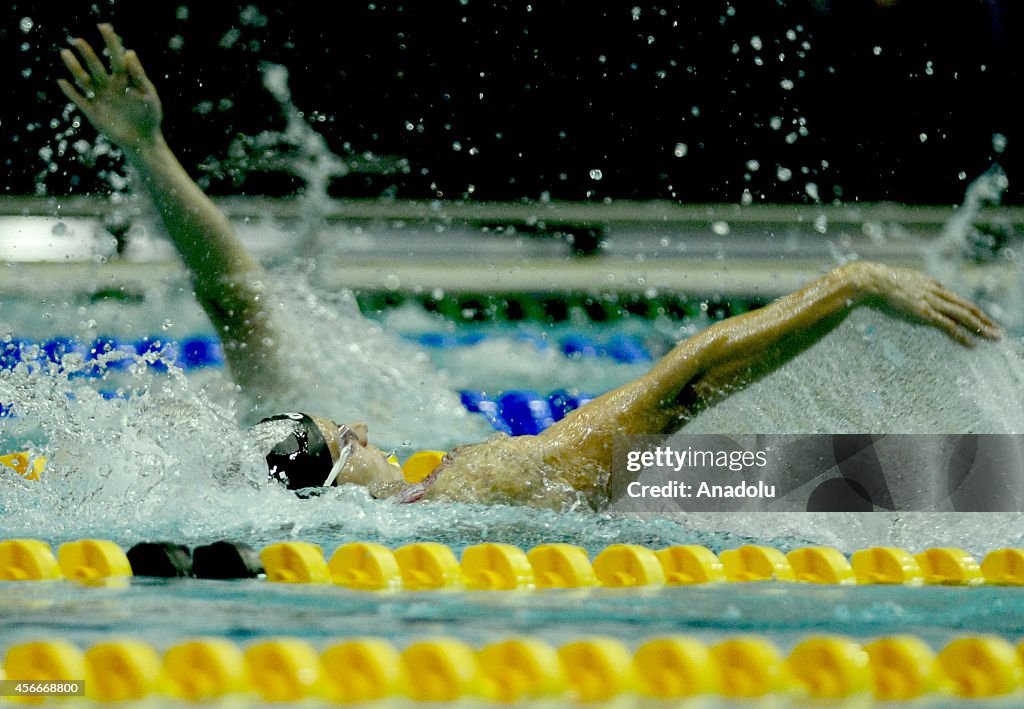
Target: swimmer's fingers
[(962, 316), (79, 74), (973, 315), (137, 73), (114, 47), (97, 72), (950, 326), (76, 98)]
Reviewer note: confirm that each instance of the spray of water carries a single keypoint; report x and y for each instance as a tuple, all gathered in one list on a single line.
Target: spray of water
[(354, 370), (163, 461), (907, 379), (960, 243), (303, 152)]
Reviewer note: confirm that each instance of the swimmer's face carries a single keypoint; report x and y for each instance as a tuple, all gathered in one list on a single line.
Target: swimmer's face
[(366, 463)]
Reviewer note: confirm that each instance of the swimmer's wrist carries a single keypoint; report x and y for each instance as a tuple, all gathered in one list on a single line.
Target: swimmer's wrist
[(863, 279), (148, 150)]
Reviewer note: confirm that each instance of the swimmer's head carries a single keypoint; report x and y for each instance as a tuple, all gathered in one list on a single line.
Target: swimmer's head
[(311, 452)]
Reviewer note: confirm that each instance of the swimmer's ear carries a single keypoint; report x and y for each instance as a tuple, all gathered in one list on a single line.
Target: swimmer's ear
[(361, 430)]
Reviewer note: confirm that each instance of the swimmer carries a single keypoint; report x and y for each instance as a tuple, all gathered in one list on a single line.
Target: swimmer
[(567, 464)]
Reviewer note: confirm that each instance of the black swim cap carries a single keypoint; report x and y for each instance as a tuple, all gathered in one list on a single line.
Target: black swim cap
[(303, 457)]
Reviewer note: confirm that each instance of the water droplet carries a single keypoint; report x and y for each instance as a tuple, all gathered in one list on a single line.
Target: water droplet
[(923, 137), (680, 150), (877, 51), (784, 174), (596, 174), (999, 143), (635, 12), (756, 43), (811, 190), (720, 228), (25, 24), (786, 84)]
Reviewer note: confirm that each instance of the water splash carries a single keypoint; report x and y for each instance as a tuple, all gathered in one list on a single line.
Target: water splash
[(121, 462), (877, 374), (963, 243), (950, 251), (355, 370), (165, 462), (301, 151)]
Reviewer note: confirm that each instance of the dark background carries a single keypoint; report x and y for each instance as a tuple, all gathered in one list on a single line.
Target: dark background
[(538, 95)]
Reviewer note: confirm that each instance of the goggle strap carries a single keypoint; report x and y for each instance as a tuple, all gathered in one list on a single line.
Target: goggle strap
[(343, 457)]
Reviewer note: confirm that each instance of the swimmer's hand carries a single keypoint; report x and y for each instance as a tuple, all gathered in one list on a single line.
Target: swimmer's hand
[(122, 103), (915, 294)]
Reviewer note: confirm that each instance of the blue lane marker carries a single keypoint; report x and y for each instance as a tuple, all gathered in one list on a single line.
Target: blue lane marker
[(517, 412), (444, 340), (200, 351), (580, 346), (563, 401), (626, 349), (10, 353), (525, 412), (153, 343), (57, 347), (621, 348), (477, 402), (105, 344)]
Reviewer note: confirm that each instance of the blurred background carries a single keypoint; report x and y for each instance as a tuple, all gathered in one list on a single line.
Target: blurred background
[(761, 101)]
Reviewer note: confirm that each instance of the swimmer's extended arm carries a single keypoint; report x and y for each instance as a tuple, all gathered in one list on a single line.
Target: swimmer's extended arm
[(123, 104), (731, 353)]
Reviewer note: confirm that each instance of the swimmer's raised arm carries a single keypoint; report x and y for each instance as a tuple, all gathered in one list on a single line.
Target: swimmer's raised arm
[(730, 354), (123, 105)]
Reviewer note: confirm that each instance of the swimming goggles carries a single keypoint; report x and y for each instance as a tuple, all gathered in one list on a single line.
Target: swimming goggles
[(302, 457), (347, 438)]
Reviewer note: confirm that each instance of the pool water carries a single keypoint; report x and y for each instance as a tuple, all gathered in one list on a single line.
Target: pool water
[(121, 466), (164, 611)]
